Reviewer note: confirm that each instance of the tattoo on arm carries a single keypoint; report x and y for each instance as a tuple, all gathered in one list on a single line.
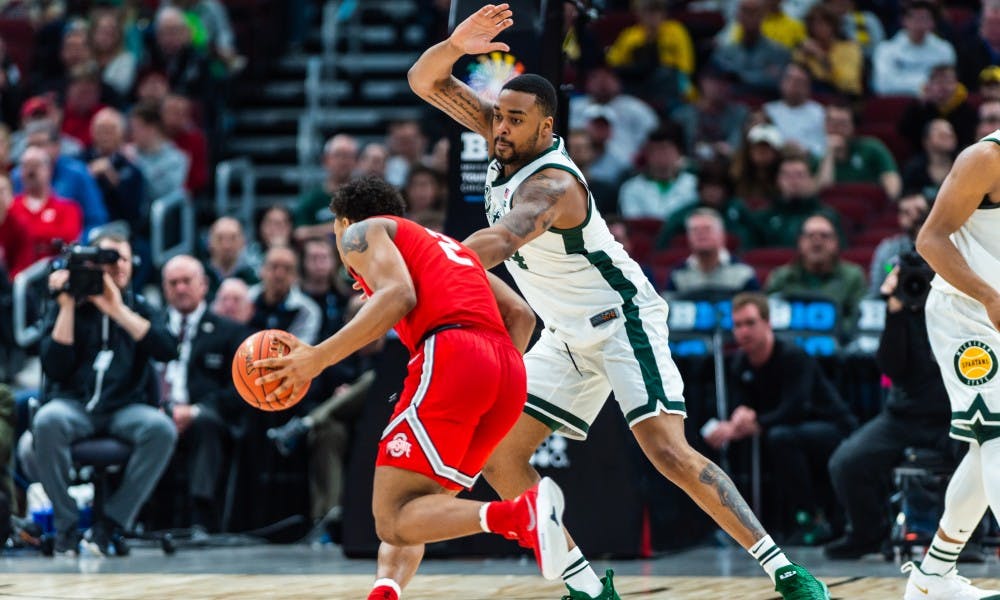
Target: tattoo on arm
[(535, 203), (461, 105), (355, 238), (730, 498)]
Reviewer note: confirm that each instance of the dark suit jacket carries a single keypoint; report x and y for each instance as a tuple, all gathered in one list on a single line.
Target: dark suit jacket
[(209, 376)]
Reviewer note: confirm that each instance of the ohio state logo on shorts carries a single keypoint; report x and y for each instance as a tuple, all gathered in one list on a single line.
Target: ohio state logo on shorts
[(398, 446)]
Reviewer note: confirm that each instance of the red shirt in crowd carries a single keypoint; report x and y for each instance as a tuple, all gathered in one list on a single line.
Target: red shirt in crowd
[(192, 142), (27, 236)]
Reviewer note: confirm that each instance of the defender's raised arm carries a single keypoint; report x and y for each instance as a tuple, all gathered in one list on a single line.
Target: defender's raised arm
[(431, 79)]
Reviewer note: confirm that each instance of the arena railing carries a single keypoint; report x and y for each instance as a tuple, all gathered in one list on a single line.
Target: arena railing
[(175, 203), (239, 170), (32, 278)]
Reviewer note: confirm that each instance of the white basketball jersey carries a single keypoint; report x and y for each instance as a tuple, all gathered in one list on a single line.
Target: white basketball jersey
[(578, 280), (978, 240)]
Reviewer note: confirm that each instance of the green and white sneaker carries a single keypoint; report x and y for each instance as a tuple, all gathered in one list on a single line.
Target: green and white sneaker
[(608, 593), (950, 586), (795, 583)]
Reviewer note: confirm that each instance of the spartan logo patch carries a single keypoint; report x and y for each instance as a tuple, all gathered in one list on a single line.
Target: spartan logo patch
[(975, 363)]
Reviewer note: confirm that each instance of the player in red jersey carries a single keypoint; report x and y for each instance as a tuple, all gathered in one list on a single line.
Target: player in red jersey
[(465, 389)]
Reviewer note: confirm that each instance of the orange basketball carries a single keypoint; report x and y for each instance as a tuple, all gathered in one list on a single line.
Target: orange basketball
[(261, 345)]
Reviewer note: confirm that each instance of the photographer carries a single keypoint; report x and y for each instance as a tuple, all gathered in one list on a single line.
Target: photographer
[(96, 358), (916, 413)]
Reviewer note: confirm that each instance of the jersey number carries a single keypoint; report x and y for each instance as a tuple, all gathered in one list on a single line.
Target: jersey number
[(451, 249)]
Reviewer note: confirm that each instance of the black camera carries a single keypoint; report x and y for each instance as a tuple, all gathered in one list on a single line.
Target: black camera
[(84, 263), (914, 281)]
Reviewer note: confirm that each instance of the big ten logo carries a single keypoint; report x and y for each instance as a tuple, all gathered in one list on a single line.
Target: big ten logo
[(551, 454), (799, 315), (474, 148), (700, 315)]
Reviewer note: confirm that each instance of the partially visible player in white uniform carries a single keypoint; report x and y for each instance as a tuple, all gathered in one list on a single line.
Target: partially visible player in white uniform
[(961, 242), (605, 325)]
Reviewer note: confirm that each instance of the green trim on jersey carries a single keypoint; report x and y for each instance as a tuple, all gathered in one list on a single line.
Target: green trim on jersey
[(979, 409), (989, 139), (976, 432), (501, 180), (554, 417), (575, 174), (637, 337)]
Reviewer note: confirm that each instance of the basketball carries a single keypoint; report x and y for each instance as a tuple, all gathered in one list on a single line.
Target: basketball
[(258, 346)]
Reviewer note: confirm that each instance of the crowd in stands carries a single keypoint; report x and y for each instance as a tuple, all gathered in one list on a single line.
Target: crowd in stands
[(783, 152)]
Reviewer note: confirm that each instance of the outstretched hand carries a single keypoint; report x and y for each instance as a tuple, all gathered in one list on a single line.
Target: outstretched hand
[(475, 34), (295, 369)]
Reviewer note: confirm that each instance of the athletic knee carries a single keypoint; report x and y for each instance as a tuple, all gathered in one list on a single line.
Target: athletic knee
[(388, 530), (673, 457)]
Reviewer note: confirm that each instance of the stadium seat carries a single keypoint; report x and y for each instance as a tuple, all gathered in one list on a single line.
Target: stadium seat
[(642, 245), (671, 257), (610, 24), (853, 212), (887, 132), (859, 255), (769, 257), (872, 236), (883, 109), (644, 226), (871, 193)]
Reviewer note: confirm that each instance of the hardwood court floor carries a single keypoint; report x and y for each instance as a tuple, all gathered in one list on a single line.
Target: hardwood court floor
[(426, 587)]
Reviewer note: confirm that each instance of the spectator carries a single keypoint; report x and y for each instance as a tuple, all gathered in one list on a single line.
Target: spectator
[(781, 223), (781, 394), (755, 168), (927, 170), (232, 301), (407, 146), (835, 63), (273, 229), (776, 26), (75, 356), (610, 163), (371, 162), (631, 119), (227, 257), (710, 266), (220, 40), (980, 51), (989, 118), (320, 275), (74, 52), (312, 212), (164, 166), (655, 57), (581, 149), (818, 270), (32, 221), (152, 87), (278, 301), (860, 26), (713, 125), (107, 39), (179, 125), (173, 55), (799, 118), (69, 176), (854, 158), (424, 191), (41, 109), (197, 391), (715, 192), (6, 164), (989, 83), (122, 185), (911, 211), (902, 64), (10, 88), (915, 414), (83, 101), (664, 187), (580, 48), (943, 98), (755, 60)]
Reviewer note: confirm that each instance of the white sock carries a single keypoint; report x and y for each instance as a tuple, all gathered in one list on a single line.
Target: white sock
[(941, 556), (580, 576), (390, 584), (769, 555)]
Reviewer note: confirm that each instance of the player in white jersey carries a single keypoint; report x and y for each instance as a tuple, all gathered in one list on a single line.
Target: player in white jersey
[(605, 325), (961, 242)]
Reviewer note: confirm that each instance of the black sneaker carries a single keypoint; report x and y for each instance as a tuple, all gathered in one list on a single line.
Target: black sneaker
[(107, 538), (68, 542), (850, 548), (286, 438)]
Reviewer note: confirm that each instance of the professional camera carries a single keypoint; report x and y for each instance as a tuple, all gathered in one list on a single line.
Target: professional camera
[(914, 281), (86, 277)]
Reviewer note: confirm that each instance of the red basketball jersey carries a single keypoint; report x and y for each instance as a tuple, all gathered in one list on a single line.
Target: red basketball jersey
[(450, 282)]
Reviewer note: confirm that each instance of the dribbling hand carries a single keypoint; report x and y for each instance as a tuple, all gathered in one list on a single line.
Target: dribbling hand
[(295, 370), (475, 34)]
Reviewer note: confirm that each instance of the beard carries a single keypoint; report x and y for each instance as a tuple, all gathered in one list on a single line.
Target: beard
[(516, 154)]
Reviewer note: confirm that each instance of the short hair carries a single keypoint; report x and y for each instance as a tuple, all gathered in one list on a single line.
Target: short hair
[(941, 69), (111, 235), (928, 5), (704, 211), (670, 132), (50, 129), (819, 215), (148, 111), (755, 298), (367, 197), (795, 157), (540, 87)]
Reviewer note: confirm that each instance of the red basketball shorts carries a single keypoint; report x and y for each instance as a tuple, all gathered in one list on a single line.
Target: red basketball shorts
[(464, 390)]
